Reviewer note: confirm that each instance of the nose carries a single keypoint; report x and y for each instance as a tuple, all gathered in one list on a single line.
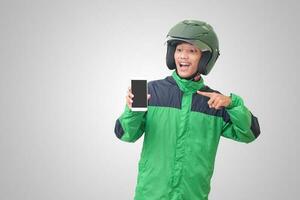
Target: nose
[(183, 55)]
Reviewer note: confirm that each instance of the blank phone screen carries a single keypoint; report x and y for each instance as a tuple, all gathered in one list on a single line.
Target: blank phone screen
[(139, 90)]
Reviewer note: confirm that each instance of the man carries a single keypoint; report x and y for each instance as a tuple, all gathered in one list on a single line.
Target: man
[(185, 120)]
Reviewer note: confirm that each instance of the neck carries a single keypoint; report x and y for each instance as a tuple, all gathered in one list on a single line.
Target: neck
[(188, 86)]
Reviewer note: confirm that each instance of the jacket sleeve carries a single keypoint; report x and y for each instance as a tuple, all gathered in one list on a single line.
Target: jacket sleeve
[(241, 125), (130, 125)]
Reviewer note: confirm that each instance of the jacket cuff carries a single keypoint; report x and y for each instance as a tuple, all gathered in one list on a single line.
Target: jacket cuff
[(127, 109), (235, 101)]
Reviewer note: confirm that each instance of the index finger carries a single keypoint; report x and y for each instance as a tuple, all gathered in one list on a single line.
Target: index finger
[(207, 94)]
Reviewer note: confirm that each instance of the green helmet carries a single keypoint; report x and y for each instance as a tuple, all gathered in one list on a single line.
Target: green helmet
[(201, 35)]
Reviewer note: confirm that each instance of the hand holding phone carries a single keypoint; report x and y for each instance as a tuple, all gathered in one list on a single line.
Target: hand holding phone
[(137, 97)]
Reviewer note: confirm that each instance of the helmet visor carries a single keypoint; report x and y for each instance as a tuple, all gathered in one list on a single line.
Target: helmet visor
[(201, 45)]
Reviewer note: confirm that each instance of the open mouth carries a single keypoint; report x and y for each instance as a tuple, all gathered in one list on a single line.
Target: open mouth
[(184, 64)]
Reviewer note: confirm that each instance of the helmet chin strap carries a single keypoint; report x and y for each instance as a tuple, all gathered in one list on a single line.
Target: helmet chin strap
[(194, 77)]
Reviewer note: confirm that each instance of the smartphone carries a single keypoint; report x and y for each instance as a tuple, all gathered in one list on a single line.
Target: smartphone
[(140, 91)]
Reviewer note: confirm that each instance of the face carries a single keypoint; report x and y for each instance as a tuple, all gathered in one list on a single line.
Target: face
[(187, 57)]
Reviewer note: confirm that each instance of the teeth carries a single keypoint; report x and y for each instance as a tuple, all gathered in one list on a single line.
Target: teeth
[(184, 64)]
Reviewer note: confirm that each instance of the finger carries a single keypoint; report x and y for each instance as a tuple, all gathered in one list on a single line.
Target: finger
[(220, 105), (218, 101), (207, 94), (148, 96), (215, 104), (129, 94), (129, 100), (214, 101), (210, 102), (129, 89)]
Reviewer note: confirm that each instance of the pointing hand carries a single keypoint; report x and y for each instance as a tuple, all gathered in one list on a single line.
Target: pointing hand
[(216, 100)]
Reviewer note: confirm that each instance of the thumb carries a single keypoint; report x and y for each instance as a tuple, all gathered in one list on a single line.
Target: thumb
[(148, 96)]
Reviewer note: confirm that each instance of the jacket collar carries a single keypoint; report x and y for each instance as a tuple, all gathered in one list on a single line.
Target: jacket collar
[(188, 86)]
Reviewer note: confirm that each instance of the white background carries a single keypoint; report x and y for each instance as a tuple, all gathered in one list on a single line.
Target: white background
[(65, 68)]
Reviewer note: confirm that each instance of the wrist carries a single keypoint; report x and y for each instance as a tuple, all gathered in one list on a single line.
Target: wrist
[(235, 100), (229, 101)]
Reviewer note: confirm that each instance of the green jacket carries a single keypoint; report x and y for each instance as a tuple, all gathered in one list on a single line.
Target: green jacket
[(181, 138)]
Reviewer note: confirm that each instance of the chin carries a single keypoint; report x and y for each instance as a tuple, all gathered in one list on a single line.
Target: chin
[(183, 74)]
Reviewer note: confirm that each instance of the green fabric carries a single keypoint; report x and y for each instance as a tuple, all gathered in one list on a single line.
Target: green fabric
[(188, 86), (240, 116), (179, 147)]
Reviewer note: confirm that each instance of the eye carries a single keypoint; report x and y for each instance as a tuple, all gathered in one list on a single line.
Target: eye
[(178, 50), (192, 50)]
